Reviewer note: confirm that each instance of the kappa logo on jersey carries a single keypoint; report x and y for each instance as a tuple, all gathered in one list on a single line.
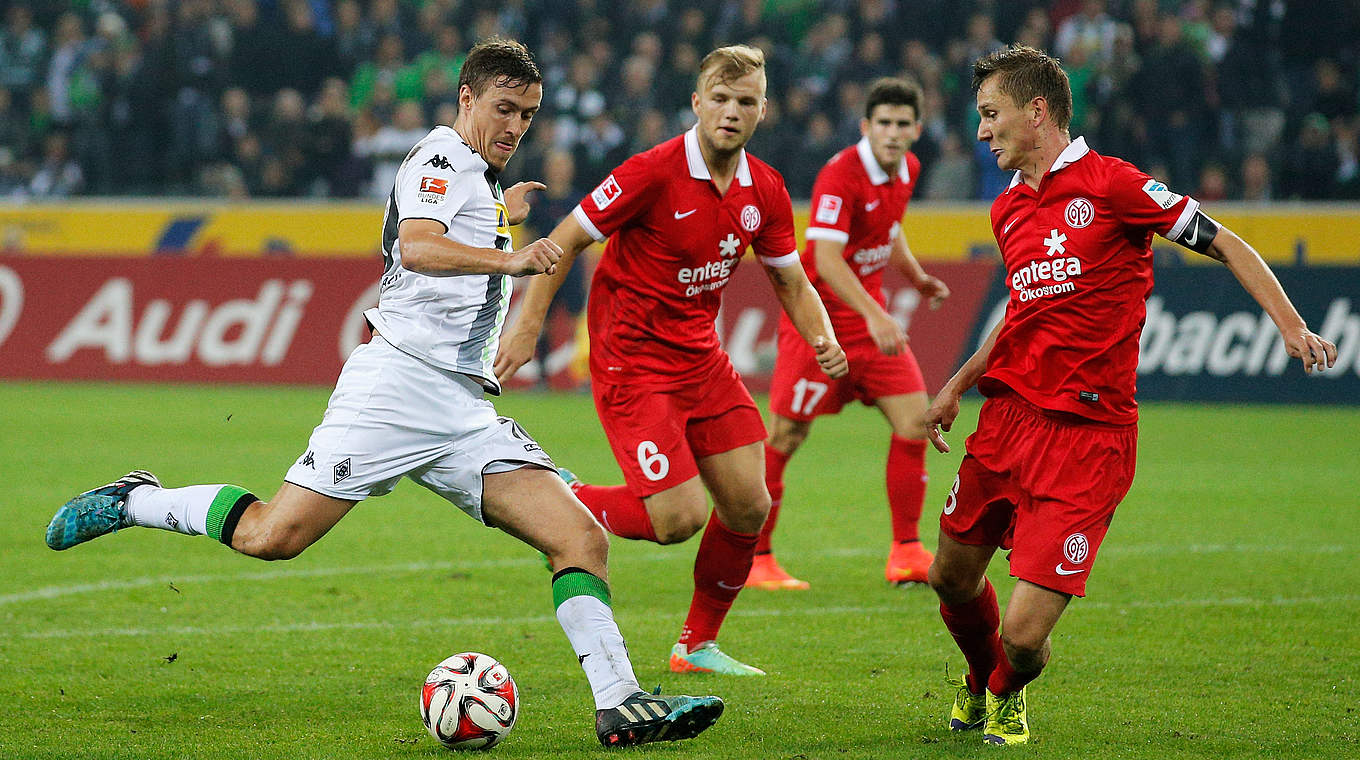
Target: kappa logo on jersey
[(1160, 195), (750, 218), (606, 193), (438, 162), (432, 189), (1079, 213), (829, 210)]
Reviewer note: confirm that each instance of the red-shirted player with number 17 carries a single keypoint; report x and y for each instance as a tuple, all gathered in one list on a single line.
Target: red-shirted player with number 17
[(1053, 453), (854, 234), (678, 218)]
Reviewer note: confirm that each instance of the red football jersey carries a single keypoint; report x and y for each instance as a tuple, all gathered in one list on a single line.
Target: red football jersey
[(673, 244), (1078, 260), (856, 203)]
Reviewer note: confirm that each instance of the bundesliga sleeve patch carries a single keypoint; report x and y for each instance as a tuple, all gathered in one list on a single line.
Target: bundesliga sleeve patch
[(606, 193), (432, 189), (1160, 195), (829, 209)]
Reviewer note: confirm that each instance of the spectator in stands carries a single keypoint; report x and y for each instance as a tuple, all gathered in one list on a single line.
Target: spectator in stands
[(58, 175), (23, 53), (1257, 179), (1092, 30), (388, 146), (1311, 163), (354, 38)]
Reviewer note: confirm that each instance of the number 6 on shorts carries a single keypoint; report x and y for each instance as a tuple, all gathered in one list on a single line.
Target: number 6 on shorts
[(654, 464)]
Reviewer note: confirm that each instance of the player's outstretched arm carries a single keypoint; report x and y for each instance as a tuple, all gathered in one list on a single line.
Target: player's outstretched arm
[(424, 249), (932, 288), (945, 407), (517, 343), (887, 334), (1257, 279), (808, 314)]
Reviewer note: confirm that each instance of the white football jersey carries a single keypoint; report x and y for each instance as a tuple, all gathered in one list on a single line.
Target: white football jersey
[(453, 322)]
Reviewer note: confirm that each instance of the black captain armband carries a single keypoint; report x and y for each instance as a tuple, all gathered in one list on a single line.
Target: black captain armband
[(1199, 233)]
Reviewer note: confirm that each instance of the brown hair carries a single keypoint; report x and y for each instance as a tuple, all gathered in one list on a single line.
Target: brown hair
[(893, 91), (1025, 74), (728, 64), (498, 61)]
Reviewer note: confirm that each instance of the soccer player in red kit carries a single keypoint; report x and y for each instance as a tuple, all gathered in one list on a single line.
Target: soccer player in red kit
[(678, 418), (854, 234), (1053, 453)]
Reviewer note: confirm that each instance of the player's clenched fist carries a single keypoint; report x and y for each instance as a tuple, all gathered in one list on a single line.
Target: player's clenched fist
[(831, 357), (538, 257)]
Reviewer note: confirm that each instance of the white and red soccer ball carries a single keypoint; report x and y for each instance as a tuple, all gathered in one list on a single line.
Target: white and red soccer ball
[(469, 701)]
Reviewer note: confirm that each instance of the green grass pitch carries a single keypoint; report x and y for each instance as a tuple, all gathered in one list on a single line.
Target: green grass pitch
[(1221, 622)]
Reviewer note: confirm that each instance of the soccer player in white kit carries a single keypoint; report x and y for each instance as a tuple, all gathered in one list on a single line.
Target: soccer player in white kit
[(410, 402)]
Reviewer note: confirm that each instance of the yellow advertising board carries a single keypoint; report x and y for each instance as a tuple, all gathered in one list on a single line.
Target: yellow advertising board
[(1321, 233)]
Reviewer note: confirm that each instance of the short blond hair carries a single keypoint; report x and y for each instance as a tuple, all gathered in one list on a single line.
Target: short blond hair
[(728, 64)]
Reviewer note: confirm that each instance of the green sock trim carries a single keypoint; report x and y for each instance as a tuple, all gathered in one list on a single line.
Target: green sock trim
[(574, 582), (222, 503)]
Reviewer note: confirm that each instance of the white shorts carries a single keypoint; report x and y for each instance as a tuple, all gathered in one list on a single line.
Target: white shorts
[(393, 415)]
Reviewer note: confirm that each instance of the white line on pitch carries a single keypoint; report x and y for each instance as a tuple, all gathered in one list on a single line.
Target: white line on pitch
[(315, 626), (284, 573)]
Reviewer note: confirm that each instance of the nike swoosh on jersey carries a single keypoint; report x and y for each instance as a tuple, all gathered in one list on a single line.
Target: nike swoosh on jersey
[(1060, 570), (679, 215), (1007, 228), (872, 206)]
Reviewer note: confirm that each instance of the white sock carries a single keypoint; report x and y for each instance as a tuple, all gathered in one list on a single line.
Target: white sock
[(590, 627), (183, 510)]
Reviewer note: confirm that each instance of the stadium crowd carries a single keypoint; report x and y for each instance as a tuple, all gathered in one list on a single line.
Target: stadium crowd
[(1231, 99)]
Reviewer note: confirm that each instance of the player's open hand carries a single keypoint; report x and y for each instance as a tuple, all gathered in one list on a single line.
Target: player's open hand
[(887, 334), (831, 357), (517, 201), (1313, 349), (516, 349), (538, 257), (933, 290), (940, 417)]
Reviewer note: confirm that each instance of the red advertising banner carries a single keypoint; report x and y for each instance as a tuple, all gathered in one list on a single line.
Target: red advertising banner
[(201, 320), (293, 321)]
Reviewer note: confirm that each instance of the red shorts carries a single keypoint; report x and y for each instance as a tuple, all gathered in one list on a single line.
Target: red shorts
[(799, 390), (659, 434), (1042, 484)]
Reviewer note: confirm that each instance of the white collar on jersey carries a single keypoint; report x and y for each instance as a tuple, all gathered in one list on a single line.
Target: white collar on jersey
[(699, 170), (876, 173), (1074, 150)]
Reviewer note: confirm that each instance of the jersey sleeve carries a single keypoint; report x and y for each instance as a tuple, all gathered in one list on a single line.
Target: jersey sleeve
[(833, 205), (429, 187), (1138, 200), (775, 244), (622, 196)]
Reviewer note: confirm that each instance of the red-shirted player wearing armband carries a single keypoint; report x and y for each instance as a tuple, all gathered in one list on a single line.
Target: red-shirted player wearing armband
[(1053, 453), (854, 234), (678, 418)]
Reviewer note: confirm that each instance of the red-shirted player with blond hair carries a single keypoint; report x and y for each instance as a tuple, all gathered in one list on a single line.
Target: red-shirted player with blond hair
[(854, 234), (678, 418), (1053, 453)]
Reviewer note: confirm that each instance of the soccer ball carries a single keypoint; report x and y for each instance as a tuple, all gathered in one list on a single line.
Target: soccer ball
[(469, 701)]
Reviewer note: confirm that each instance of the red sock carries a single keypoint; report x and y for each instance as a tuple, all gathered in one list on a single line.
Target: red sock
[(720, 569), (618, 510), (774, 483), (975, 627), (1006, 679), (906, 486)]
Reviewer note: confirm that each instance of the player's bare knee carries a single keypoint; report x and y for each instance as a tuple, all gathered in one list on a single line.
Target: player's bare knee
[(786, 439), (952, 586), (1026, 649)]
